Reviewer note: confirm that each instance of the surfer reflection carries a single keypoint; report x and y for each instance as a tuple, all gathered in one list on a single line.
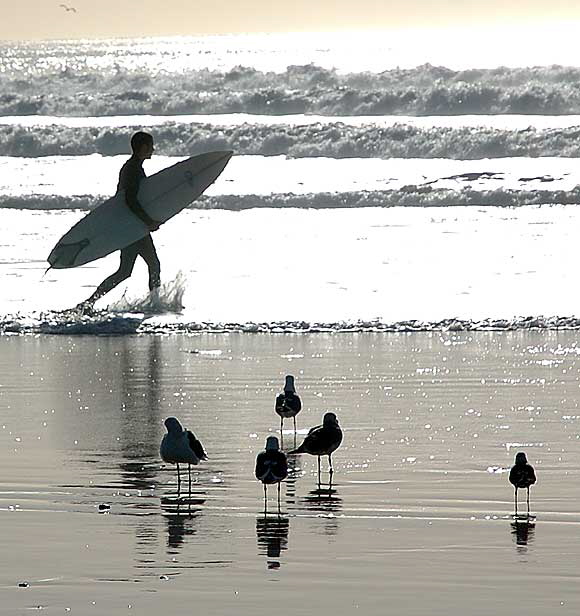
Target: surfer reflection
[(272, 535), (140, 377), (130, 177)]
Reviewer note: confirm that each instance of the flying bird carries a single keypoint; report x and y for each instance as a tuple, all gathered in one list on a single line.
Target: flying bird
[(522, 475), (288, 404), (271, 467), (68, 9), (322, 440), (180, 446)]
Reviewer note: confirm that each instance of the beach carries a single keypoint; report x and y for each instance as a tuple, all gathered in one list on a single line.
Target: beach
[(420, 495)]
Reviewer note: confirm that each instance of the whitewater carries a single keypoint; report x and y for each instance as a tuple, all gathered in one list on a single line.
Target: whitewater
[(405, 184)]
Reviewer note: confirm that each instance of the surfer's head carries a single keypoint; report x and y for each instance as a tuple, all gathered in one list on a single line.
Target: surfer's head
[(142, 145)]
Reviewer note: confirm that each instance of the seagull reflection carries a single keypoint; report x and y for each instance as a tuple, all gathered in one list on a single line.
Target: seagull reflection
[(325, 502), (294, 473), (272, 535), (180, 519), (522, 531)]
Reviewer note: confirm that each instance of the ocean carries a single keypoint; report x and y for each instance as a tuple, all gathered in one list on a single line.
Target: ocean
[(397, 228)]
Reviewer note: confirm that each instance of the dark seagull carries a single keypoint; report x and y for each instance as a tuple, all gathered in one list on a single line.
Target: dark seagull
[(288, 404), (68, 9), (322, 440), (522, 475), (271, 467), (180, 446)]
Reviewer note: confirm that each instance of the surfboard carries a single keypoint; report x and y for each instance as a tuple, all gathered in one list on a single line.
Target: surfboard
[(112, 225)]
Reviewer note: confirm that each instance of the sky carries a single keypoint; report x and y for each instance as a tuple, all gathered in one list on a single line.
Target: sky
[(47, 19)]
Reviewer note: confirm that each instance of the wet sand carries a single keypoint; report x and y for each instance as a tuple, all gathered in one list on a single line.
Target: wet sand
[(419, 519)]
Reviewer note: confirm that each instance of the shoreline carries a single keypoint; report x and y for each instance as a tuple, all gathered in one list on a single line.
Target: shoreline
[(115, 324)]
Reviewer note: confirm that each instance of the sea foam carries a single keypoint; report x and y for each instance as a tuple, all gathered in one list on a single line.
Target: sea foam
[(77, 89), (334, 140)]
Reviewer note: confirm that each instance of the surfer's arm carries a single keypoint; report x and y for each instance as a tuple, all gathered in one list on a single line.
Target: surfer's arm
[(131, 190)]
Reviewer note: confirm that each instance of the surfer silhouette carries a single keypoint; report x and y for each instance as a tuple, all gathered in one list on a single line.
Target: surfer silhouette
[(130, 177)]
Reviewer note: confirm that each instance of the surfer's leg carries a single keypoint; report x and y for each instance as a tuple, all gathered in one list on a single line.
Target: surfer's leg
[(149, 254), (128, 258)]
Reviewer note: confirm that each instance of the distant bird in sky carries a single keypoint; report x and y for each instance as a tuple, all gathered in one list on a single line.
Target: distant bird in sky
[(68, 9), (180, 446), (522, 475), (271, 467), (322, 440), (288, 404)]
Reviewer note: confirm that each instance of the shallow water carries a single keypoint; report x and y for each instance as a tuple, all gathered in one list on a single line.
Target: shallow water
[(322, 265), (420, 494)]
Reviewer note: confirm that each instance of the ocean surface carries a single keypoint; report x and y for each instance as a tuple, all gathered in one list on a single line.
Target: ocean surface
[(367, 182), (389, 195), (420, 495)]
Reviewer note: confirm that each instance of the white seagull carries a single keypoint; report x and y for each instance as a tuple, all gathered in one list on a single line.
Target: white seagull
[(271, 467), (180, 446)]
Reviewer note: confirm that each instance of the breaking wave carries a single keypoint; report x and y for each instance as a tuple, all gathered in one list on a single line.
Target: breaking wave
[(335, 140), (407, 196), (424, 90)]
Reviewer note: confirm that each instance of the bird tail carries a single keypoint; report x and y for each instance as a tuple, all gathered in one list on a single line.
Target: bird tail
[(299, 450)]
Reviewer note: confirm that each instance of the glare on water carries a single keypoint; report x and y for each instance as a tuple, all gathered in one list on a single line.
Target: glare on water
[(431, 422)]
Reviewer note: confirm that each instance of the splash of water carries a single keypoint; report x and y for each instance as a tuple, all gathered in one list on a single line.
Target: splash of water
[(167, 298)]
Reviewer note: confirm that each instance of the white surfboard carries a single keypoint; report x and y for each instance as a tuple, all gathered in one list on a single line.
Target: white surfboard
[(112, 226)]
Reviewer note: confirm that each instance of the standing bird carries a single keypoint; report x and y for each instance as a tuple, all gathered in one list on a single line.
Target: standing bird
[(522, 475), (288, 404), (271, 467), (322, 440), (180, 446)]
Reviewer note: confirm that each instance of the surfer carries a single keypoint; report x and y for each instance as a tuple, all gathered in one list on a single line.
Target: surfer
[(130, 177)]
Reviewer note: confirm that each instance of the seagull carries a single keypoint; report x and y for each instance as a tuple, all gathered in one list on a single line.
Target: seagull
[(522, 475), (322, 440), (288, 404), (271, 467), (68, 9), (180, 446)]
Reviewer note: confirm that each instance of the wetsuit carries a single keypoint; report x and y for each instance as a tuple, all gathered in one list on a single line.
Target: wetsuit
[(130, 177)]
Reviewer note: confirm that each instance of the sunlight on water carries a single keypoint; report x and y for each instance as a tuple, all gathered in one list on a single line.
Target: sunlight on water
[(431, 423)]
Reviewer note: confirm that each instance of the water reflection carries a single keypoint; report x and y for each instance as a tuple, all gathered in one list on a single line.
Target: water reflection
[(522, 531), (294, 473), (141, 475), (272, 535), (140, 384), (326, 503), (181, 523)]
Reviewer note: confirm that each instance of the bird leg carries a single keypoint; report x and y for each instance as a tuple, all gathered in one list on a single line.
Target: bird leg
[(278, 498), (189, 494), (294, 418), (516, 500), (330, 464), (281, 431), (178, 482), (528, 501), (318, 471), (265, 500)]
